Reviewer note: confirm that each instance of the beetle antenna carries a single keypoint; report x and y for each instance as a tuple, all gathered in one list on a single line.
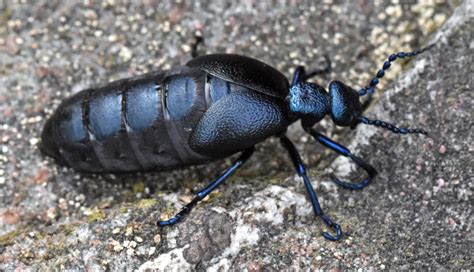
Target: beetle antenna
[(400, 55), (392, 127)]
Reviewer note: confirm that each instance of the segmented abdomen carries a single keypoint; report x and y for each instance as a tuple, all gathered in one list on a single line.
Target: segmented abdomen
[(134, 124)]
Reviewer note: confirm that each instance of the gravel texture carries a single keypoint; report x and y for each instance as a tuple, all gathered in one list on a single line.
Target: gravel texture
[(416, 214)]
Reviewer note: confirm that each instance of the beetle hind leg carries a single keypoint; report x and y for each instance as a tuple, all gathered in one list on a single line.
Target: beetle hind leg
[(371, 172), (246, 154), (300, 168)]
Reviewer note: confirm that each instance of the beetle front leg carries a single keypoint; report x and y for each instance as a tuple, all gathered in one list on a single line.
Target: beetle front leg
[(301, 75), (194, 46), (206, 191), (345, 152), (300, 168)]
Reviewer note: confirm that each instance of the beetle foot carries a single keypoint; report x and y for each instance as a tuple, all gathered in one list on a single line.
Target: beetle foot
[(334, 226), (168, 222), (357, 186), (350, 185), (175, 219)]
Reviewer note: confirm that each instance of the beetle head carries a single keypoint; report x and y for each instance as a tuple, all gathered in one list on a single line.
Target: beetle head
[(311, 102), (345, 105)]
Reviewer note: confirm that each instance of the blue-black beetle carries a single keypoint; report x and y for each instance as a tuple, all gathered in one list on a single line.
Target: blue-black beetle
[(213, 107)]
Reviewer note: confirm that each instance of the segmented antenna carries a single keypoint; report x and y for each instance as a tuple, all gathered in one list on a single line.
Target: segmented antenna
[(371, 87), (391, 127)]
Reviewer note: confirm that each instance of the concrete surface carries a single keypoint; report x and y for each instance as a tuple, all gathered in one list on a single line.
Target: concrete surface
[(416, 215)]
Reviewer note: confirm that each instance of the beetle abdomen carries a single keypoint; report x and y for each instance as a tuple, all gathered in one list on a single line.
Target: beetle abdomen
[(134, 124)]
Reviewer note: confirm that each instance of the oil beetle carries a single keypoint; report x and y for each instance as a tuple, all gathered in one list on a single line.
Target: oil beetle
[(214, 106)]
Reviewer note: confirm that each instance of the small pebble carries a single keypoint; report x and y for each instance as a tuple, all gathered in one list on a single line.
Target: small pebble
[(116, 246), (157, 239), (34, 141), (441, 182), (126, 54), (442, 149), (129, 231)]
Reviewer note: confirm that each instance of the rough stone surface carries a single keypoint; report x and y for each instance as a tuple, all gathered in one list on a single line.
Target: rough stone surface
[(416, 215)]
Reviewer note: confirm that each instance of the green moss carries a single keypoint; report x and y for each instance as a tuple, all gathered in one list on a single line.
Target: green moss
[(124, 208), (275, 181), (146, 203), (169, 209), (5, 15), (138, 187), (26, 257), (54, 250), (96, 215), (214, 195), (68, 229), (7, 239)]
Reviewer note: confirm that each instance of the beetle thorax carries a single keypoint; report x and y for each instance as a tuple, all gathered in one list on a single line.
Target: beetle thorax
[(309, 101)]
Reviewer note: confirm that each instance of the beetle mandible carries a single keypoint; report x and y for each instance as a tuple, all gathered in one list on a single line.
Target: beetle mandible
[(214, 106)]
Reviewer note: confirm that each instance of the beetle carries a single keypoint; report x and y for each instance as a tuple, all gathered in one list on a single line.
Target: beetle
[(214, 106)]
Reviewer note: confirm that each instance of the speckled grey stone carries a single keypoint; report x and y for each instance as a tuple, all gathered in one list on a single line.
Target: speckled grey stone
[(416, 215)]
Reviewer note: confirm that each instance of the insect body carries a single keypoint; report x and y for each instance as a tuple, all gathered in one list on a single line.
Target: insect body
[(215, 106)]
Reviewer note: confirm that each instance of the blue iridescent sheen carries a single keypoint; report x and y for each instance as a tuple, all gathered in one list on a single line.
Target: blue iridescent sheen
[(180, 96), (218, 88), (73, 127), (309, 100), (105, 117), (142, 104)]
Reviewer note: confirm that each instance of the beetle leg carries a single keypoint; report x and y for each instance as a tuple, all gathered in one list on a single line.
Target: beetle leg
[(325, 70), (194, 46), (300, 73), (300, 168), (206, 191), (345, 152)]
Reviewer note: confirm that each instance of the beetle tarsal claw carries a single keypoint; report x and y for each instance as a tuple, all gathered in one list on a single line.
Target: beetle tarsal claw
[(334, 227)]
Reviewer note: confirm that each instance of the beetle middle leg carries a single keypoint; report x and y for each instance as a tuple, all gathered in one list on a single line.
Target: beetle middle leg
[(246, 154), (345, 152), (300, 168)]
